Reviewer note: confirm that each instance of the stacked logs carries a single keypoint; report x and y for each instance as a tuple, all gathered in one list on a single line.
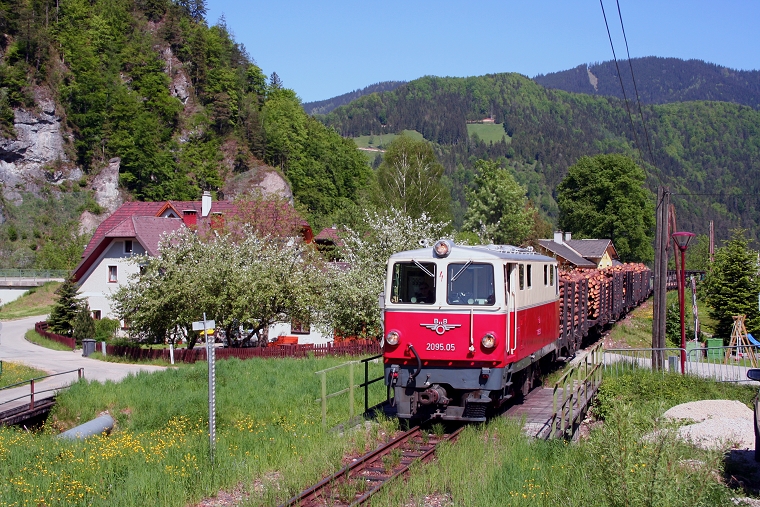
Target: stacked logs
[(599, 285)]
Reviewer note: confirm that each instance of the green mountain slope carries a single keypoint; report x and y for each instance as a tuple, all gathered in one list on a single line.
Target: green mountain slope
[(707, 152), (660, 81)]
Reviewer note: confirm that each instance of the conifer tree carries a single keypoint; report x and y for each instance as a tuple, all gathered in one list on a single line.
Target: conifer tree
[(733, 285), (84, 324), (64, 312)]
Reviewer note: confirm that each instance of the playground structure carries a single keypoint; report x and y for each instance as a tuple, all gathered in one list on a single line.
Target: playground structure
[(742, 343)]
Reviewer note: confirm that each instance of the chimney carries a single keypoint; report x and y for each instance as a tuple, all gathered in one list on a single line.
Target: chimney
[(558, 237), (568, 236), (205, 204), (189, 217)]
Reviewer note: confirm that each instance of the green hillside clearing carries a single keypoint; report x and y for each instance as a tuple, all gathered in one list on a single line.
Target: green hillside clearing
[(488, 132)]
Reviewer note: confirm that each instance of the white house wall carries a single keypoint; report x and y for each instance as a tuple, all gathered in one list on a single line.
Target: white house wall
[(95, 285)]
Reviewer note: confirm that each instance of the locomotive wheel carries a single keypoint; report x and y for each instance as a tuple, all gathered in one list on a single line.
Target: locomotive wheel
[(528, 380)]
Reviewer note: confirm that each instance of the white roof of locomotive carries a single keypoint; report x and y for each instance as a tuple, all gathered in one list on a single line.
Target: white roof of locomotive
[(475, 253)]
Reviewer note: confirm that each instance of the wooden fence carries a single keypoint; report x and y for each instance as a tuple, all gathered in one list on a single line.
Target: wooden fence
[(41, 328), (183, 355)]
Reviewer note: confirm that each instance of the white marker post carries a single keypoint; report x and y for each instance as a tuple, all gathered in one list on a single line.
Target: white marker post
[(205, 326)]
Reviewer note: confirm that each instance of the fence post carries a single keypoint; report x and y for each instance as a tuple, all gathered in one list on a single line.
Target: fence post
[(324, 398), (351, 390), (366, 384), (31, 403)]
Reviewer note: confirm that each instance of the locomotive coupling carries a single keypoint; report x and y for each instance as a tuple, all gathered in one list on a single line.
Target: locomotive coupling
[(435, 394)]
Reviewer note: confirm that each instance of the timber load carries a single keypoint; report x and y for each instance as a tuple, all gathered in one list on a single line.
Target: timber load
[(595, 297)]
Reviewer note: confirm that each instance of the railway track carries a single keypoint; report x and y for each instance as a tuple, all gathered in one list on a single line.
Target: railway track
[(357, 482)]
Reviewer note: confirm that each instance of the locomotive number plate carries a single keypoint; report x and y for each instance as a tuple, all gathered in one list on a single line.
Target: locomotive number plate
[(447, 347)]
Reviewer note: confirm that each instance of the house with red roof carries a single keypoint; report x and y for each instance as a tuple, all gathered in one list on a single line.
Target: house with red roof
[(137, 227)]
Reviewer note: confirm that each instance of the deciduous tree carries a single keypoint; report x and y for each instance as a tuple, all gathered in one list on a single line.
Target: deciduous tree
[(409, 178), (248, 281), (604, 197), (353, 287), (497, 209)]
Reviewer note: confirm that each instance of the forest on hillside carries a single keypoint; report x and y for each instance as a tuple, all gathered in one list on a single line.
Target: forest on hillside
[(177, 99), (327, 105), (708, 153), (660, 81)]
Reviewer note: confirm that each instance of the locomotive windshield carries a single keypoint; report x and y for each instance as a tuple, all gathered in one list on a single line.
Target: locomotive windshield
[(413, 282), (470, 284)]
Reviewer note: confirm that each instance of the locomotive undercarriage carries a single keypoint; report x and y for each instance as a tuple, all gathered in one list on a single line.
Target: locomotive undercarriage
[(460, 394), (433, 393)]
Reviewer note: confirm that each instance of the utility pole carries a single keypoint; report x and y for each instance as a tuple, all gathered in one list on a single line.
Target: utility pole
[(662, 240)]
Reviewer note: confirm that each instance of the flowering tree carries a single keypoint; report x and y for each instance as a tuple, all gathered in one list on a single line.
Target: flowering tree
[(352, 288), (252, 283)]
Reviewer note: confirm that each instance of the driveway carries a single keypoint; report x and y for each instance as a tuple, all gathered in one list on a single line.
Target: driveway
[(15, 348)]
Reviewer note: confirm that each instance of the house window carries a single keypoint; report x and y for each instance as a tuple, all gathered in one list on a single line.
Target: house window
[(96, 314), (298, 327), (113, 274), (128, 246)]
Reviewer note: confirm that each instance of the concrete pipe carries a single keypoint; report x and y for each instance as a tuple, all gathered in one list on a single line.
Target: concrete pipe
[(99, 425)]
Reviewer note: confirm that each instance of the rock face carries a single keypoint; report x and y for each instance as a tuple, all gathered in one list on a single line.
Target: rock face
[(106, 186), (180, 84), (36, 155), (107, 195)]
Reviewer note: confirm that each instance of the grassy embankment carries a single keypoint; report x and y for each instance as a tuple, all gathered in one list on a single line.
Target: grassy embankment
[(36, 301), (633, 458), (270, 441), (13, 373), (34, 337), (270, 445)]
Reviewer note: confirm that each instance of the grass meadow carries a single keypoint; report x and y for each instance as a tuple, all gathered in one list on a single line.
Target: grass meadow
[(271, 445), (270, 440), (381, 141), (13, 373), (488, 132)]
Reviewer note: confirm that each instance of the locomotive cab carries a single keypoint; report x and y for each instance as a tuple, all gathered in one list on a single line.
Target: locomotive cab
[(462, 324)]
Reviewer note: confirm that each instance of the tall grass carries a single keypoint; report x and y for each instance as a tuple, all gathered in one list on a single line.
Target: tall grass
[(633, 459), (270, 441)]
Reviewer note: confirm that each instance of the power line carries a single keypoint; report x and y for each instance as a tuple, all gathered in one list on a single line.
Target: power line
[(633, 77), (620, 77)]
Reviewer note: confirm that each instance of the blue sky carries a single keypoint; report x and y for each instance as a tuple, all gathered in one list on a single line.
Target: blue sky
[(324, 49)]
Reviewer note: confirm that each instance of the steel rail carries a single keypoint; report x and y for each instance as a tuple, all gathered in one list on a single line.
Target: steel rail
[(322, 491)]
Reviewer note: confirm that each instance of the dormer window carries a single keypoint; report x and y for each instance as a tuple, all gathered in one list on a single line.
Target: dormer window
[(128, 246)]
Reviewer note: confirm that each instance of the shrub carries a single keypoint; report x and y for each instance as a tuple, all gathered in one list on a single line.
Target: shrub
[(105, 329)]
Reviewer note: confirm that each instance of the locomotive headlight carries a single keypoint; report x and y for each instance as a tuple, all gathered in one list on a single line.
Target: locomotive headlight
[(488, 341), (442, 248), (392, 337)]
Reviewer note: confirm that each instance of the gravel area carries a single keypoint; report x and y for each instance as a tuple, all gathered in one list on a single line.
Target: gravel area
[(716, 424)]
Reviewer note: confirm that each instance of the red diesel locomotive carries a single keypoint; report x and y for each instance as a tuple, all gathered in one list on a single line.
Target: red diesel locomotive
[(466, 326)]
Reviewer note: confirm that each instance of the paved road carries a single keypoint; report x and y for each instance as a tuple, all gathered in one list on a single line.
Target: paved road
[(14, 347)]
